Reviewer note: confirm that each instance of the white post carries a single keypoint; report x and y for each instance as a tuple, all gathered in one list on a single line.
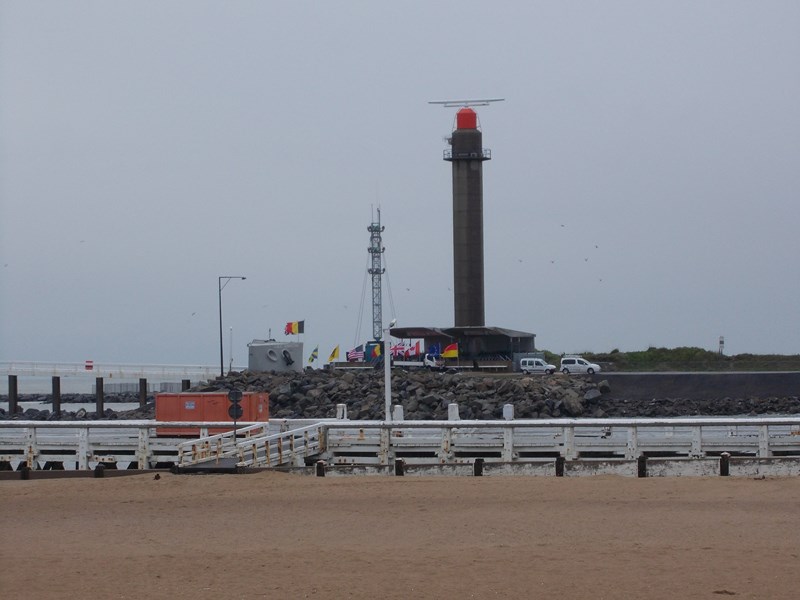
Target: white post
[(452, 412)]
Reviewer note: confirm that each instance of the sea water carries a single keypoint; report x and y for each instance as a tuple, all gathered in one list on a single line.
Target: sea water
[(89, 407), (86, 385)]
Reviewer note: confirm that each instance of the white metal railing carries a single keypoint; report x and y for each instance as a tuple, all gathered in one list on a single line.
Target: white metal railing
[(457, 441), (110, 370), (84, 444)]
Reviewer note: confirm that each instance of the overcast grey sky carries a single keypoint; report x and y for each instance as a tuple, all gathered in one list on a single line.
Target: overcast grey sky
[(643, 189)]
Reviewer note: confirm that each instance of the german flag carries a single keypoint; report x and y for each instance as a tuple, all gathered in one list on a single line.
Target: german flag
[(294, 327)]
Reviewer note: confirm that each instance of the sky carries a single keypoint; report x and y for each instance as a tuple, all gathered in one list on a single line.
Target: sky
[(643, 188)]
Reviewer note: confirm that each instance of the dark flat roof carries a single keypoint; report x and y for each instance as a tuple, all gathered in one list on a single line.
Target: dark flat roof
[(418, 332), (452, 332)]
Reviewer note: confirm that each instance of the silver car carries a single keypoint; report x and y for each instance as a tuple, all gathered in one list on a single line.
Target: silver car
[(536, 365), (576, 364)]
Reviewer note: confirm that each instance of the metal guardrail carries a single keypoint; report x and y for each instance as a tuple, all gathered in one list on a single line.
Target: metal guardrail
[(484, 154), (456, 441), (110, 370), (84, 444)]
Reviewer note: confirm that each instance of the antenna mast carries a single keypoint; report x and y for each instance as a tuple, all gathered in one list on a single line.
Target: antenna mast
[(376, 270)]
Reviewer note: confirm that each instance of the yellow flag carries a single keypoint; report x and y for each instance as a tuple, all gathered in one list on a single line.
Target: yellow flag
[(334, 355)]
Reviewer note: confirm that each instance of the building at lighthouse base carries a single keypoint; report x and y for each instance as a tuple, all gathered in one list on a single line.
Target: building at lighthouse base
[(478, 346)]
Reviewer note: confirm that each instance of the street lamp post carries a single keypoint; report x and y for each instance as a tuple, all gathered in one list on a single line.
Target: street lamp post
[(221, 285), (230, 349)]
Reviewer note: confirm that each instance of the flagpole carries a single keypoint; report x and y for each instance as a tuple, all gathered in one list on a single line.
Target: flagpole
[(387, 370), (387, 375)]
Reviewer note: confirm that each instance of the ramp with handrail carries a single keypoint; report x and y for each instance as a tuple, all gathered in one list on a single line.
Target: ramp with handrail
[(255, 446)]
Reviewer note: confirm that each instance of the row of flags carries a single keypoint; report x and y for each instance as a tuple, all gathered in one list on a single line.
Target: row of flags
[(315, 354), (400, 350), (450, 351), (373, 349)]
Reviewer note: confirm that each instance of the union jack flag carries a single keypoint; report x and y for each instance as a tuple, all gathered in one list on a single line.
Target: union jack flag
[(405, 350), (399, 350)]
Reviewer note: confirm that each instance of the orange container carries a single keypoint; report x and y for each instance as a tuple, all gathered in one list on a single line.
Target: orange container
[(207, 406)]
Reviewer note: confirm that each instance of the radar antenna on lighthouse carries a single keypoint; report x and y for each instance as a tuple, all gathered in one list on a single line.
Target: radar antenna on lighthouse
[(472, 102)]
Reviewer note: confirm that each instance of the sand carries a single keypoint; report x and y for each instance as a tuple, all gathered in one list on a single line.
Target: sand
[(277, 535)]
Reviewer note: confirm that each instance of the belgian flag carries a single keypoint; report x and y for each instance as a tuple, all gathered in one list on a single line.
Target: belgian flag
[(294, 327)]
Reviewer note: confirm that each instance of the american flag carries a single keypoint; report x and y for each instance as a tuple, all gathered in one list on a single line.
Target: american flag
[(356, 354)]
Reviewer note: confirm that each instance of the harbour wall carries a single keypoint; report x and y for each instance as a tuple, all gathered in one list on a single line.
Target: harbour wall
[(701, 386)]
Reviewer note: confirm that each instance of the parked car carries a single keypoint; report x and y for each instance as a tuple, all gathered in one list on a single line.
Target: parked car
[(577, 364), (536, 365)]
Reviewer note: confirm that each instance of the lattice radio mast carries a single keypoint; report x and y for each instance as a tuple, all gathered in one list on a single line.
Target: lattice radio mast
[(376, 270)]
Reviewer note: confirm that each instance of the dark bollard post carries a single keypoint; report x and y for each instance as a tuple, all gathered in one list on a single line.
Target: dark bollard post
[(725, 464), (57, 395), (100, 470), (477, 467), (320, 465), (142, 392), (641, 466), (13, 397), (185, 384), (99, 397), (560, 466), (399, 467), (25, 472)]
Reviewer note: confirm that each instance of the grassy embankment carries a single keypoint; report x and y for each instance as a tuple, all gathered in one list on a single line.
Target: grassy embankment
[(686, 359)]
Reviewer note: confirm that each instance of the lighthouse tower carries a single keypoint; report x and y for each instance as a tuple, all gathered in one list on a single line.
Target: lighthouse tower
[(467, 155), (473, 340)]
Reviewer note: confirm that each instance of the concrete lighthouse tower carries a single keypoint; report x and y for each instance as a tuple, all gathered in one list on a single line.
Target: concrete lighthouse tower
[(476, 345), (467, 156)]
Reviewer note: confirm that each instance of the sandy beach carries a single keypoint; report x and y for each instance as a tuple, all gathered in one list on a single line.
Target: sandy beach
[(271, 535)]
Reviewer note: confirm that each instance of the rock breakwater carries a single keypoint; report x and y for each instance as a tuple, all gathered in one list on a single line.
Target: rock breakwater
[(426, 395)]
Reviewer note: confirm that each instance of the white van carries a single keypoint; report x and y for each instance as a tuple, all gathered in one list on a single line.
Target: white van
[(535, 365), (576, 364)]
